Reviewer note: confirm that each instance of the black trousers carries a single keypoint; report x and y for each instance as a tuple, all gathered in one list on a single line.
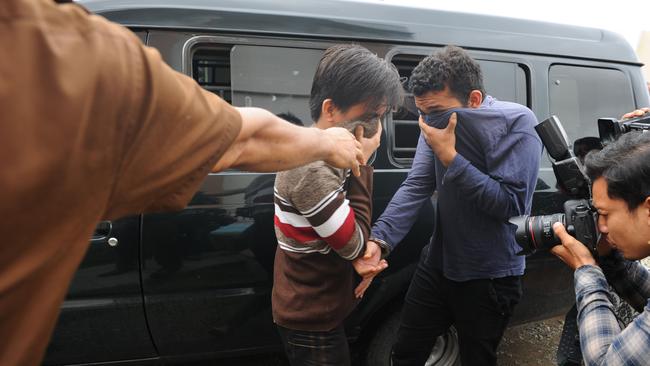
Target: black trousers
[(311, 348), (479, 309)]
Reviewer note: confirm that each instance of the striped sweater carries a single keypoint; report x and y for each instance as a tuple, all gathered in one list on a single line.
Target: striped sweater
[(322, 221)]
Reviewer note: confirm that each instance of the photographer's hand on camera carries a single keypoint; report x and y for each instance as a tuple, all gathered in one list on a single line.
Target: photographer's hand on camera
[(441, 141), (636, 113), (571, 251)]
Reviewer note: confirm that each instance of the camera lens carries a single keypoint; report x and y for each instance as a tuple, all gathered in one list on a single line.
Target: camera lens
[(536, 232)]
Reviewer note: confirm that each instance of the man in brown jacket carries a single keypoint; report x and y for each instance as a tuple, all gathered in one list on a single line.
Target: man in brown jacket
[(94, 126), (322, 214)]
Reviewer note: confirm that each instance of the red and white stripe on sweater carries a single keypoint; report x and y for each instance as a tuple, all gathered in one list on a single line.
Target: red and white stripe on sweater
[(312, 213)]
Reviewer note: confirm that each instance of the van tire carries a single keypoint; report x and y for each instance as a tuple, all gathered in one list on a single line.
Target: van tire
[(444, 353)]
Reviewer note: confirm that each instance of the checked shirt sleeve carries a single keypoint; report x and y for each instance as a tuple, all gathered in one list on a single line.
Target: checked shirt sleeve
[(630, 279), (601, 338)]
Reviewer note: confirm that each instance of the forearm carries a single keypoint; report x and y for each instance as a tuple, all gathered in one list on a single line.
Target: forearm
[(359, 195), (266, 143), (403, 209)]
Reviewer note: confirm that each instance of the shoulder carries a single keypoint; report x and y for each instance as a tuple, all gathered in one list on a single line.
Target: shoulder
[(310, 178), (518, 117)]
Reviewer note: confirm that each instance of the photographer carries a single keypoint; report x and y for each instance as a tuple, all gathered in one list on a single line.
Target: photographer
[(621, 193)]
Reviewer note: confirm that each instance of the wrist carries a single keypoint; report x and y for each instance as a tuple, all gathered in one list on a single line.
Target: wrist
[(586, 263), (385, 247), (325, 146), (447, 157)]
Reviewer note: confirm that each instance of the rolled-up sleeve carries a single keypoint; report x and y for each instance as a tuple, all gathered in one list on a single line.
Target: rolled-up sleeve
[(174, 134)]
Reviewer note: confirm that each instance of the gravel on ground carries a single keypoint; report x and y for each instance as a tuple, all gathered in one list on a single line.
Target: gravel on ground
[(531, 343)]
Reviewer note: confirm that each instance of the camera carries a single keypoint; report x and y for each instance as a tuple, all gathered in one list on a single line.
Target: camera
[(610, 129), (580, 217)]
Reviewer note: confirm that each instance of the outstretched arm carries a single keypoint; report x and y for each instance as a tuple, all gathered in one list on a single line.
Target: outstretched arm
[(267, 143)]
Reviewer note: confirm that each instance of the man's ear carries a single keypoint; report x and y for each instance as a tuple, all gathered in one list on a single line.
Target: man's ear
[(327, 110), (475, 99), (646, 209)]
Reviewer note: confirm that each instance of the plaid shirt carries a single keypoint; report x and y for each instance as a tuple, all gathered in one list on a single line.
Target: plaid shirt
[(602, 340)]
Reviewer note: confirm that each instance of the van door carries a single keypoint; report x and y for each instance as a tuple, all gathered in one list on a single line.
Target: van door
[(102, 317), (208, 270)]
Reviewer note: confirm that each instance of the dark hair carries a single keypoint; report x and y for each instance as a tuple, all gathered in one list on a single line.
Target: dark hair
[(350, 74), (451, 67), (625, 165)]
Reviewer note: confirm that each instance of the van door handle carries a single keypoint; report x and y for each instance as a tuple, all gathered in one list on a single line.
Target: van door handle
[(102, 232)]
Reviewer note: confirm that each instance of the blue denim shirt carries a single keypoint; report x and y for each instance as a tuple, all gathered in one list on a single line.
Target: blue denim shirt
[(491, 179)]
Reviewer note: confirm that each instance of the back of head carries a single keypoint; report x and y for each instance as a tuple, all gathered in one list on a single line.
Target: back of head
[(625, 165), (350, 74), (451, 67)]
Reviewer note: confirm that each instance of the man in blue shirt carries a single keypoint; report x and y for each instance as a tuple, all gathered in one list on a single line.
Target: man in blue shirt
[(621, 192), (482, 157)]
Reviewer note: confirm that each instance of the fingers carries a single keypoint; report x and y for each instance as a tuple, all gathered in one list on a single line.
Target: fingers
[(559, 250), (362, 287), (423, 126), (370, 269), (572, 252), (358, 132), (425, 130), (359, 159), (367, 279), (451, 126), (383, 264), (563, 253), (561, 233), (636, 113)]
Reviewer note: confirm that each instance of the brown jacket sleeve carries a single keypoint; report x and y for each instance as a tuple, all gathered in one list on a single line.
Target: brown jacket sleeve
[(174, 135), (360, 196)]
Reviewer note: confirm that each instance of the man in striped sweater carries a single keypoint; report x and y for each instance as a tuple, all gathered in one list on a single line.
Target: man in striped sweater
[(322, 213)]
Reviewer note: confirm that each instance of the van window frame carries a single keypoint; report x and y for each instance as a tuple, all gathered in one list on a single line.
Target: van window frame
[(522, 63)]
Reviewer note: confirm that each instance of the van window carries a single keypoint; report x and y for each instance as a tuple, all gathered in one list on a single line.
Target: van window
[(211, 69), (502, 80), (580, 95), (274, 78)]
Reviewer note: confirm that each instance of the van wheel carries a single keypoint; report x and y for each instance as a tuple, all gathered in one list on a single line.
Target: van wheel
[(445, 351)]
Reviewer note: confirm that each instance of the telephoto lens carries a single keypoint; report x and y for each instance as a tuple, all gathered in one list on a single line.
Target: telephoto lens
[(536, 232)]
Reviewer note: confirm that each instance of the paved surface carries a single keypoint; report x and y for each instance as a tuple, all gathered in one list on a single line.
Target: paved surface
[(531, 344)]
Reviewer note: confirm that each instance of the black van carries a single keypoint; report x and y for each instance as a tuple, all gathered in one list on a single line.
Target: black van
[(196, 284)]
